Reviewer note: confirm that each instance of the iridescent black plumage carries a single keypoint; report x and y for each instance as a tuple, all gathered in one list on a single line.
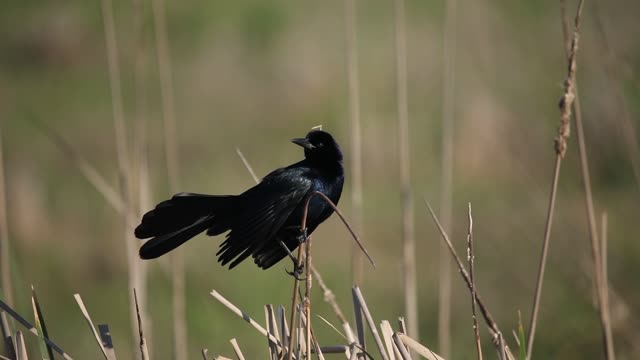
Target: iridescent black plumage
[(258, 219)]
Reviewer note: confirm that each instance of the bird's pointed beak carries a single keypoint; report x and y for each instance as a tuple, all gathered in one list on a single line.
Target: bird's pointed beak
[(303, 142)]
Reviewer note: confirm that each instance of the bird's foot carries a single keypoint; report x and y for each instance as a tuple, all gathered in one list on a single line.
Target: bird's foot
[(298, 272)]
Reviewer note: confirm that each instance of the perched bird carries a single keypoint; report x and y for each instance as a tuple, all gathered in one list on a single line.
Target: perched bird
[(263, 222)]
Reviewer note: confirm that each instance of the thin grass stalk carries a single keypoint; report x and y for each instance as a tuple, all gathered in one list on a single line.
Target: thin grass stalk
[(7, 310), (591, 216), (470, 259), (408, 236), (561, 148), (604, 301), (5, 264), (446, 191), (294, 306), (356, 133), (172, 156), (489, 320)]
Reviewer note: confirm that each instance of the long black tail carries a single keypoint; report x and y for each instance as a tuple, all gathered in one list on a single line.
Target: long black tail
[(180, 218)]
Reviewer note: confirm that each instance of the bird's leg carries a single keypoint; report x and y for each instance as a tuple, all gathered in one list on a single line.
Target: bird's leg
[(298, 270)]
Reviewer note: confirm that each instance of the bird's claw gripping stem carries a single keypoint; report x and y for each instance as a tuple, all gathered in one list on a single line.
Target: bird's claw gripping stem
[(302, 235), (298, 270)]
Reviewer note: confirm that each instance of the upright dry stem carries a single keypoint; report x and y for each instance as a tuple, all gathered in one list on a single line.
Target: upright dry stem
[(561, 148), (408, 236), (7, 287), (446, 201), (356, 134)]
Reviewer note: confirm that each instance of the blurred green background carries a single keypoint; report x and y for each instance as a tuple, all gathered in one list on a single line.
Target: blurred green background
[(252, 74)]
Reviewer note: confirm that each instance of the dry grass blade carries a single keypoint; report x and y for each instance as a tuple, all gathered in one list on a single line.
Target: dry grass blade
[(8, 310), (107, 341), (21, 348), (284, 329), (357, 310), (205, 353), (144, 351), (491, 323), (408, 231), (470, 258), (372, 325), (7, 287), (87, 317), (244, 316), (561, 147), (236, 349), (248, 166), (272, 329), (45, 350), (604, 298), (418, 348)]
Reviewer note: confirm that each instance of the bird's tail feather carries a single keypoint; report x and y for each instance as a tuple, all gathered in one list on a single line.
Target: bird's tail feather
[(180, 218)]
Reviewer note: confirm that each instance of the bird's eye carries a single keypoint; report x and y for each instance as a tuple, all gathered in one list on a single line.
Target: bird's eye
[(320, 144)]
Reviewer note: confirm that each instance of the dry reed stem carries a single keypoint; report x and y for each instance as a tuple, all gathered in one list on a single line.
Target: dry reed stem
[(357, 294), (357, 311), (87, 317), (21, 349), (308, 284), (470, 259), (172, 156), (387, 335), (491, 323), (446, 191), (408, 236), (356, 133), (144, 351), (561, 148), (5, 268), (6, 309), (236, 349), (294, 304)]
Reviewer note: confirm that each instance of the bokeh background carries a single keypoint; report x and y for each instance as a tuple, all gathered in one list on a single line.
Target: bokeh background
[(251, 75)]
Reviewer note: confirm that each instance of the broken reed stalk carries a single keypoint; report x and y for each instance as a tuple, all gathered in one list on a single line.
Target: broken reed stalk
[(408, 235), (605, 288), (470, 259), (307, 293), (446, 191), (5, 268), (491, 323), (560, 148), (591, 216), (356, 134), (87, 317), (172, 156), (144, 351)]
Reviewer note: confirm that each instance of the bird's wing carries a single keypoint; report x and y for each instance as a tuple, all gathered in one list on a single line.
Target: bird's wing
[(266, 208)]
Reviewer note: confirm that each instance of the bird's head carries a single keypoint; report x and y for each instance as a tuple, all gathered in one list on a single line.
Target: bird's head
[(320, 146)]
